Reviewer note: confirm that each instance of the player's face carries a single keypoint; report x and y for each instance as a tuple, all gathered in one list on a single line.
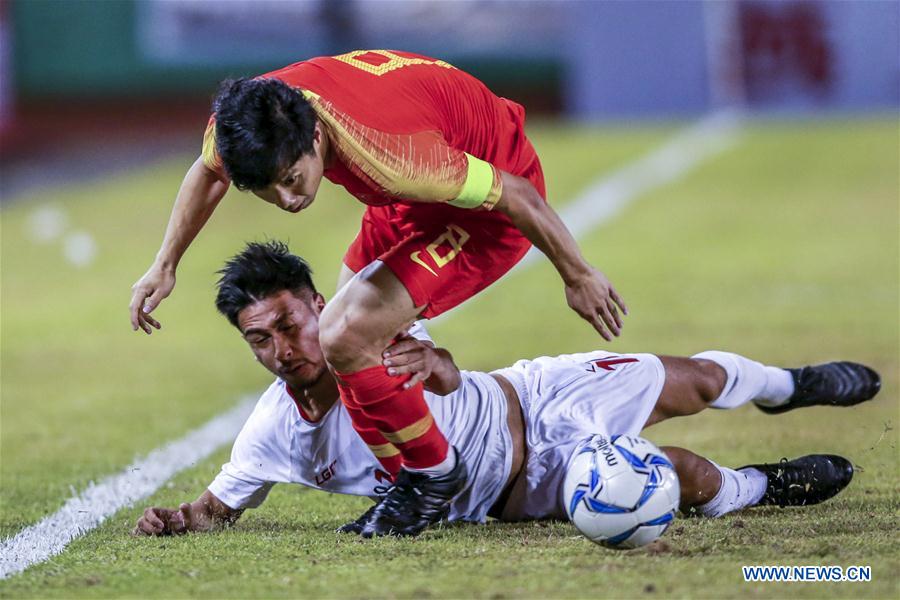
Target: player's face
[(296, 186), (283, 333)]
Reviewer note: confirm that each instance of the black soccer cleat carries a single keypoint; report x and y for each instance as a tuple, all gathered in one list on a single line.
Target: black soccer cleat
[(831, 384), (806, 480), (356, 526), (415, 502)]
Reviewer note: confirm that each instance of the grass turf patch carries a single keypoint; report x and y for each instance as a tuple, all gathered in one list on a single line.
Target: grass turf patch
[(784, 249)]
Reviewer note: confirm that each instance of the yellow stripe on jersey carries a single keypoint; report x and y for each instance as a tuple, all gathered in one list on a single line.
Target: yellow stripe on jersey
[(419, 166), (482, 187), (414, 431), (383, 450)]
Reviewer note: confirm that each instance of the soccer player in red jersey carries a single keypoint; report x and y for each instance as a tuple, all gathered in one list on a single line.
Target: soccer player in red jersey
[(455, 197)]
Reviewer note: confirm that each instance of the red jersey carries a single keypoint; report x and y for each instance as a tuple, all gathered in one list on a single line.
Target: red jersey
[(407, 127), (420, 142)]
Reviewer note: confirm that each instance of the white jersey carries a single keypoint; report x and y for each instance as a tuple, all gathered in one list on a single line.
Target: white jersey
[(278, 445), (564, 399)]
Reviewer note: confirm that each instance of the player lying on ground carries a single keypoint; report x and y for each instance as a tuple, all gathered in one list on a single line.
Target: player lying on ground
[(455, 196), (515, 428)]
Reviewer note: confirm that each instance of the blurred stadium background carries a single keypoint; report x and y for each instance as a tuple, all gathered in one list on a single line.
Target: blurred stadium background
[(784, 246)]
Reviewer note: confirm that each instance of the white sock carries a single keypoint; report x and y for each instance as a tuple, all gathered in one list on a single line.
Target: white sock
[(739, 489), (749, 380), (442, 468)]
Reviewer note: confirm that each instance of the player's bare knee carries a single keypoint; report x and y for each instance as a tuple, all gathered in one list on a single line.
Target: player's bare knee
[(340, 335), (710, 380)]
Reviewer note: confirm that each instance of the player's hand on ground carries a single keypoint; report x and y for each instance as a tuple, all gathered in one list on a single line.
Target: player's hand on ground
[(146, 294), (164, 521), (410, 355), (593, 297)]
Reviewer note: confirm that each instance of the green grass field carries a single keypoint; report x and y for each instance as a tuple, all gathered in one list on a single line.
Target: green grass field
[(784, 248)]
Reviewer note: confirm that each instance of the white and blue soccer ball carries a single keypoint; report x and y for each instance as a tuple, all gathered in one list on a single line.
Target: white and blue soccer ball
[(620, 491)]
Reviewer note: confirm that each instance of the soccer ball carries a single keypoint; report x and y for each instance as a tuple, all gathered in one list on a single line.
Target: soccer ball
[(620, 492)]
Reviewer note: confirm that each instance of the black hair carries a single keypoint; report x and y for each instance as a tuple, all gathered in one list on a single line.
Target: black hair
[(262, 127), (259, 271)]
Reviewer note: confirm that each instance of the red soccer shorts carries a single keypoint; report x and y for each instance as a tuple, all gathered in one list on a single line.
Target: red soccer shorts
[(442, 255)]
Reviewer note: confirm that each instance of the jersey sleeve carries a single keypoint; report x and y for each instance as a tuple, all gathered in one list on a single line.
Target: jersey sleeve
[(260, 458), (211, 158), (237, 490), (418, 331), (417, 166)]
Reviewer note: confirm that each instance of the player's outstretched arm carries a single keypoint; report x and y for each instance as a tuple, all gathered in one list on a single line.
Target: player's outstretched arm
[(200, 193), (431, 365), (588, 291), (204, 514)]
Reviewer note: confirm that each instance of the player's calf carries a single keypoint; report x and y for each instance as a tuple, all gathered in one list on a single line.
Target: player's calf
[(699, 478), (748, 381), (691, 385), (710, 490)]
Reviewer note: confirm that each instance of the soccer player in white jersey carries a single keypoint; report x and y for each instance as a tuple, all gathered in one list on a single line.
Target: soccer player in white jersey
[(515, 428)]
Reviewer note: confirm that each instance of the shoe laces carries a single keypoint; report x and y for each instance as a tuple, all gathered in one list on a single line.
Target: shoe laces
[(383, 490)]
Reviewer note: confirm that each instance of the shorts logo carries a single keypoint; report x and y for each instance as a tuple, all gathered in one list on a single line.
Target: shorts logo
[(607, 364), (455, 237)]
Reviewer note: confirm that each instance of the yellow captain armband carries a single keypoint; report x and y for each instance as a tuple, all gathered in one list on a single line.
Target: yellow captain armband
[(482, 186)]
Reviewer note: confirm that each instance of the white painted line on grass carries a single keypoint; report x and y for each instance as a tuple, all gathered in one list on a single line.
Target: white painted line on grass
[(597, 205), (100, 501)]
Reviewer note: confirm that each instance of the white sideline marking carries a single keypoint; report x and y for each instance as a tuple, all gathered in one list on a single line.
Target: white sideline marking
[(597, 205), (609, 196), (99, 501)]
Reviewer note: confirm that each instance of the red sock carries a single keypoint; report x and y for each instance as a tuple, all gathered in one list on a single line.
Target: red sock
[(386, 453), (402, 416)]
